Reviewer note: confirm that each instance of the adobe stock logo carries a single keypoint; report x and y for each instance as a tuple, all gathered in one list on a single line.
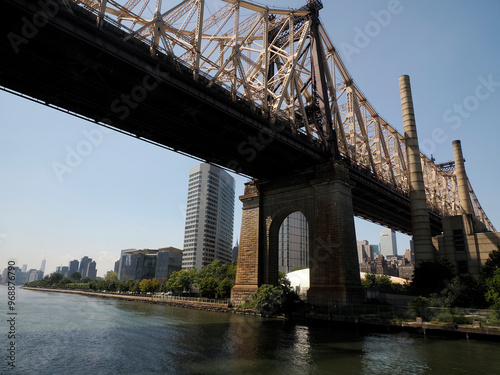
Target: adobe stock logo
[(121, 108), (460, 111), (30, 27), (75, 155)]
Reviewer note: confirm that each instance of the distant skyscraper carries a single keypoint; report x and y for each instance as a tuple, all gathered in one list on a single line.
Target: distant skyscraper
[(388, 244), (92, 270), (374, 251), (24, 268), (84, 263), (73, 267), (42, 266), (208, 233), (364, 251), (293, 243), (64, 270)]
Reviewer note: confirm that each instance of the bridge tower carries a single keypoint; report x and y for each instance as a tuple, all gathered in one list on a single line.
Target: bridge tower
[(323, 196)]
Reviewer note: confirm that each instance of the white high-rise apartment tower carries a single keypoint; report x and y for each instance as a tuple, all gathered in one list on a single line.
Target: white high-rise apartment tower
[(208, 234)]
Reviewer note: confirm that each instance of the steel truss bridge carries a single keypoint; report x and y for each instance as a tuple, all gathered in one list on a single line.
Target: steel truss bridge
[(259, 91)]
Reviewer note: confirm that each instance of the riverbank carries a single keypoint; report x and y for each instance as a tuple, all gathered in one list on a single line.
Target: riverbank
[(198, 305), (373, 323), (365, 323)]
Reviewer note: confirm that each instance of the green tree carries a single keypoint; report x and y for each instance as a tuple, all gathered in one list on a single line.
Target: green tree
[(268, 299), (146, 285), (208, 286), (224, 287), (369, 281), (272, 300), (432, 276), (464, 291), (493, 290), (181, 281), (76, 276), (111, 277), (155, 285), (101, 285), (134, 286), (491, 265), (55, 278), (381, 283)]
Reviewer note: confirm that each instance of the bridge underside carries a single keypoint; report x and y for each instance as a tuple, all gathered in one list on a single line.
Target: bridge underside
[(69, 63)]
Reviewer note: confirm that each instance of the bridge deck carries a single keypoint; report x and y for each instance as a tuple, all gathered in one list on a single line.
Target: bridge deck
[(71, 64)]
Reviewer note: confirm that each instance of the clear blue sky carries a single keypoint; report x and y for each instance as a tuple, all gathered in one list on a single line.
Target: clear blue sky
[(128, 194)]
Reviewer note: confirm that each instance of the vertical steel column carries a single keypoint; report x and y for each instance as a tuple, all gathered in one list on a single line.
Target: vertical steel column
[(463, 182), (422, 239), (320, 89)]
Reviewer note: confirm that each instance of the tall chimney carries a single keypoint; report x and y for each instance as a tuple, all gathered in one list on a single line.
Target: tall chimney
[(422, 238), (463, 182)]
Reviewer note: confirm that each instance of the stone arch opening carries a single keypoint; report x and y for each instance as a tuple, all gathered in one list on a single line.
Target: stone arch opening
[(288, 243)]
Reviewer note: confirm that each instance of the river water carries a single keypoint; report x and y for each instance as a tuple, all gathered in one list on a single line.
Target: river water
[(60, 333)]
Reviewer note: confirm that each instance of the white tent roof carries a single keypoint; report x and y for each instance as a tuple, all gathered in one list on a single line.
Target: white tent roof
[(300, 279)]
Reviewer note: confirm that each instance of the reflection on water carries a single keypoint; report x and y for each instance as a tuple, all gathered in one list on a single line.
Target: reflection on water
[(71, 334), (397, 353)]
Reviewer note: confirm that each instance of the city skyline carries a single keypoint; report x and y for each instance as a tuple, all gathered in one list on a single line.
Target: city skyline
[(122, 193)]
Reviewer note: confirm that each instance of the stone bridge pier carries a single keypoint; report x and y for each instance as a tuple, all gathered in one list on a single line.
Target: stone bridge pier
[(323, 196)]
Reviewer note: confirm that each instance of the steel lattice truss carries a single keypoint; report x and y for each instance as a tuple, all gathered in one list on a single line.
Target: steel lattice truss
[(270, 58)]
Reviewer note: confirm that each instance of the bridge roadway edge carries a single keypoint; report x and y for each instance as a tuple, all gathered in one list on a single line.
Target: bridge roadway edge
[(202, 122)]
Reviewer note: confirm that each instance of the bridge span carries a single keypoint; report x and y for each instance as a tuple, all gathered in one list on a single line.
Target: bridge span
[(267, 97)]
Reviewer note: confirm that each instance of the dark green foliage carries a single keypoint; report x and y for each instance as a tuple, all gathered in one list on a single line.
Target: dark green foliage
[(493, 290), (208, 286), (432, 277), (215, 280), (381, 283), (273, 300), (491, 264), (418, 305), (269, 299), (464, 291), (181, 281)]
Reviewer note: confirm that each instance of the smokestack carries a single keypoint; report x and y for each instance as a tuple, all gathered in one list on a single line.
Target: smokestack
[(463, 182), (422, 238)]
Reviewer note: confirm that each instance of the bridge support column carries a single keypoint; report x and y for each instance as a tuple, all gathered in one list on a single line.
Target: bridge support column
[(247, 275), (333, 259), (422, 237), (324, 198)]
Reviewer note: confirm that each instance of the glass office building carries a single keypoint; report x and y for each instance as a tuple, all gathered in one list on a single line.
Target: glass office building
[(293, 246)]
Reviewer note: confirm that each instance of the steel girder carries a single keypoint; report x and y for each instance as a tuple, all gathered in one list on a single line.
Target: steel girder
[(272, 59)]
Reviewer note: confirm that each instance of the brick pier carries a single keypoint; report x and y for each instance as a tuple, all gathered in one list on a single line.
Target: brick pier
[(323, 195)]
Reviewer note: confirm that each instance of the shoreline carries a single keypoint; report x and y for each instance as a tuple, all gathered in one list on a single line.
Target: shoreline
[(361, 323), (197, 305)]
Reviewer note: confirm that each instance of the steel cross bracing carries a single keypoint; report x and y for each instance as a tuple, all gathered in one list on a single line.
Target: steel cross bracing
[(270, 57)]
